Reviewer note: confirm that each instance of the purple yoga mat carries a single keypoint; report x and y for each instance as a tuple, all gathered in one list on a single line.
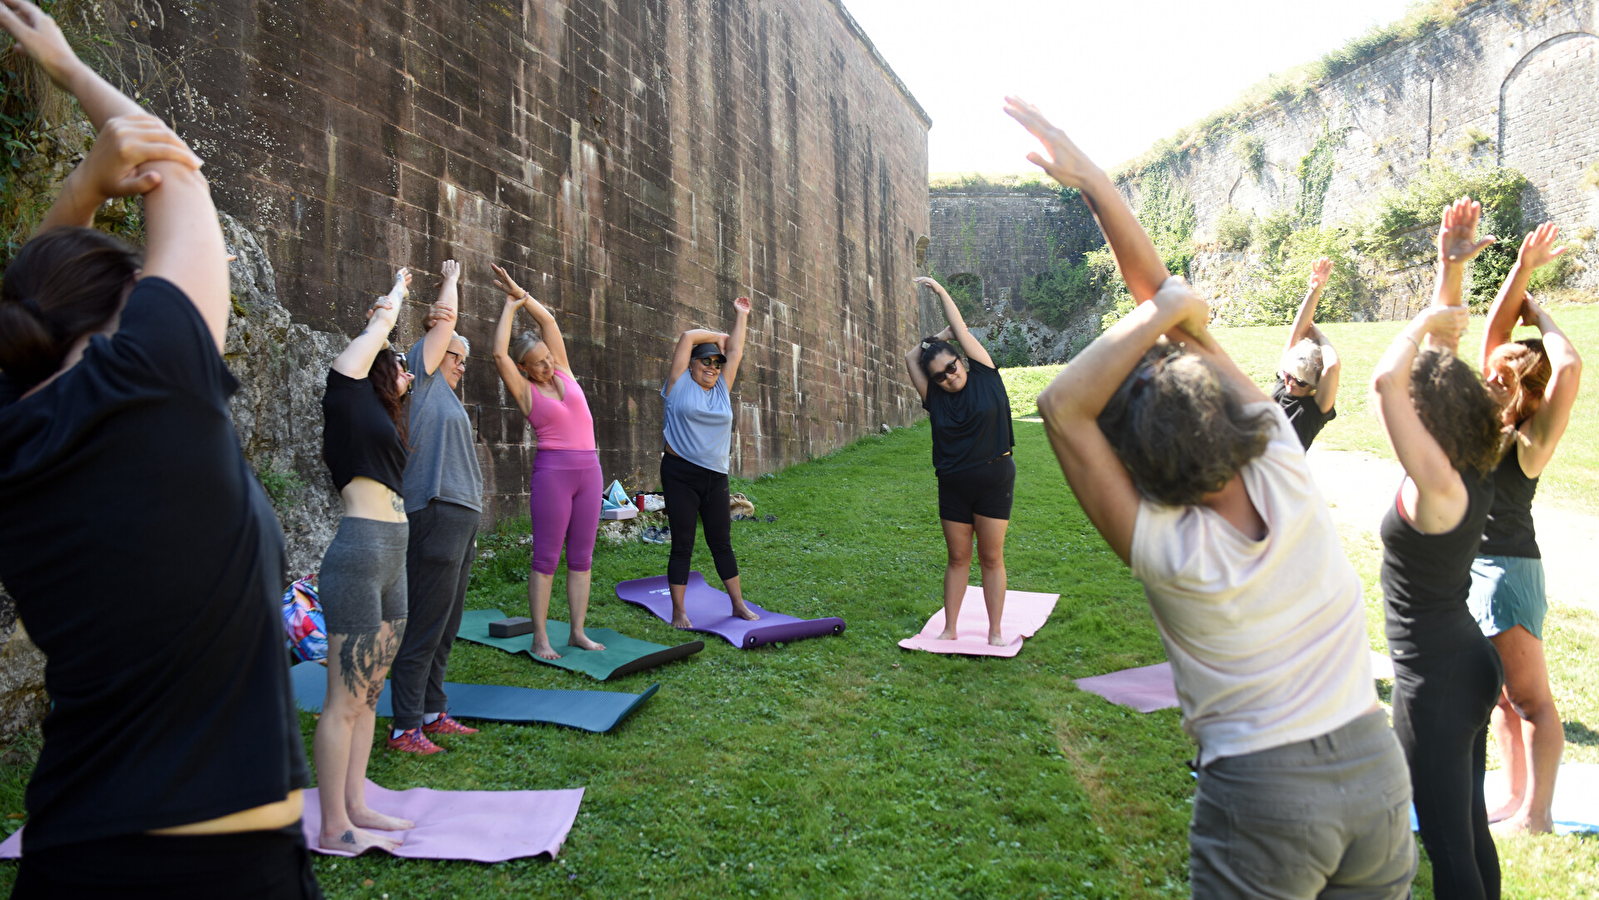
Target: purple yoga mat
[(481, 826), (711, 612)]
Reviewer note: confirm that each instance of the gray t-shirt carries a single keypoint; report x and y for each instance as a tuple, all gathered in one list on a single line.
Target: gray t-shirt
[(443, 464)]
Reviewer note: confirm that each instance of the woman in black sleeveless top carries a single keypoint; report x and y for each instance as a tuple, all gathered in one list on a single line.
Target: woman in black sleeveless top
[(172, 763), (972, 442), (1443, 426), (1536, 382)]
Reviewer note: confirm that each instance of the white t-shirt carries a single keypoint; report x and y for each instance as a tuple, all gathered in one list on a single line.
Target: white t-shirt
[(1267, 639)]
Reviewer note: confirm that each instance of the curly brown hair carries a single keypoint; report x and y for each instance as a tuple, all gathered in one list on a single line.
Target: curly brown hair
[(1178, 430), (1524, 369), (1457, 410)]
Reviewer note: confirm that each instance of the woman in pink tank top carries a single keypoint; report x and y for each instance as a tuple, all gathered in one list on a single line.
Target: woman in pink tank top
[(566, 486)]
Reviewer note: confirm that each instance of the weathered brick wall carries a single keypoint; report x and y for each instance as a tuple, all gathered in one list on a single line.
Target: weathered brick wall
[(1508, 82), (1005, 236), (637, 164)]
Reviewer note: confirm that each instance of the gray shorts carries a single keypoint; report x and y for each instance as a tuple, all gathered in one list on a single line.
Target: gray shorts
[(362, 582), (1328, 817)]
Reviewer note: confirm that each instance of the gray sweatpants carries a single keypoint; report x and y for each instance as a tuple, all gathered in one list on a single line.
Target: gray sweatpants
[(1328, 817), (438, 564)]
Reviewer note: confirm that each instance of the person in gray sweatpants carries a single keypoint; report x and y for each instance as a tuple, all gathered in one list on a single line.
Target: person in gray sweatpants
[(444, 503)]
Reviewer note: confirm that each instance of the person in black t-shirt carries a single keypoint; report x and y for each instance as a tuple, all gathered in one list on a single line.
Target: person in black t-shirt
[(172, 762), (1307, 378), (363, 578), (972, 442), (1535, 382)]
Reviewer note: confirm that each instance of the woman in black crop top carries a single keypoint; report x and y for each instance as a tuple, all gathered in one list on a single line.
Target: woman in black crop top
[(362, 582), (1536, 382), (972, 442), (1443, 426), (172, 762)]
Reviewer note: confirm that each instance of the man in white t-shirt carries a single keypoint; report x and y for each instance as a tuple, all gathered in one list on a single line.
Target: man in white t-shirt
[(1196, 479)]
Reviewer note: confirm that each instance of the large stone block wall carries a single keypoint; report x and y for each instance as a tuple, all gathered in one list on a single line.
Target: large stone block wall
[(1005, 236), (637, 165)]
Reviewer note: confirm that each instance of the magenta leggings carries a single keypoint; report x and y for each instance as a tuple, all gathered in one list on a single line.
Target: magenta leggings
[(564, 501)]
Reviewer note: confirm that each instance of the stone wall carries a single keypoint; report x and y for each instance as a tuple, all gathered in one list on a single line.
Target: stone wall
[(1005, 236), (636, 165)]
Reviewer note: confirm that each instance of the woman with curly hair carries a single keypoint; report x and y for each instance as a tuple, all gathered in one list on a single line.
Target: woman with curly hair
[(1444, 427), (1536, 382), (1198, 481)]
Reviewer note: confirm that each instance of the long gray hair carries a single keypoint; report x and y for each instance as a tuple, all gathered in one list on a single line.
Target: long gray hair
[(523, 345)]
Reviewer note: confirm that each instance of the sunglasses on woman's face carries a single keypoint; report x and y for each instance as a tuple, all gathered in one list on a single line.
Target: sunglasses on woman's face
[(948, 372), (712, 362), (405, 365)]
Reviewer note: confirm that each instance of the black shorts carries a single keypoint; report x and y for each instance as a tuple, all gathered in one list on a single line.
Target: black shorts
[(984, 490)]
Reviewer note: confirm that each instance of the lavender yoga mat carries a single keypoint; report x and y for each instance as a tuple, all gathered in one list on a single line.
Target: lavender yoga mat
[(1148, 688), (711, 611), (1025, 612), (481, 826)]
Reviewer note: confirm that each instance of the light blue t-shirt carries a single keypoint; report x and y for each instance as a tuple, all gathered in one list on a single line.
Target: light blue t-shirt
[(443, 463), (699, 423)]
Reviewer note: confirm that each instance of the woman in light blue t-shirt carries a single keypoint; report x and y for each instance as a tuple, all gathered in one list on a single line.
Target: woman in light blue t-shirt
[(697, 434)]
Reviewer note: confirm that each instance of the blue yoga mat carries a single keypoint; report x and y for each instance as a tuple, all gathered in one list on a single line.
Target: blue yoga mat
[(596, 711)]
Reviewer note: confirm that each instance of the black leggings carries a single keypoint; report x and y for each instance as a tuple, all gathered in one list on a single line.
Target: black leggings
[(263, 865), (696, 494), (1443, 697)]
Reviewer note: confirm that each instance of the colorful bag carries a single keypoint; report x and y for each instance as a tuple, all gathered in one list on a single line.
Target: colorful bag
[(302, 619)]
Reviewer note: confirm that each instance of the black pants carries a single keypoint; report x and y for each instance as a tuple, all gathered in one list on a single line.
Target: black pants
[(1443, 696), (438, 564), (252, 865), (696, 494)]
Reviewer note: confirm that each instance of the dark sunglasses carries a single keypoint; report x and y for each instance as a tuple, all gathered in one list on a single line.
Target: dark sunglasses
[(1294, 382), (711, 362), (948, 372), (405, 365)]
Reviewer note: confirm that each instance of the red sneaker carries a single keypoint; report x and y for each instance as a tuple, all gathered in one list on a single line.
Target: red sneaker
[(412, 740), (446, 724)]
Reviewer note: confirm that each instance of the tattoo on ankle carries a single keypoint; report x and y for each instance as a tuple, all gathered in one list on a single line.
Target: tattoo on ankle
[(348, 837)]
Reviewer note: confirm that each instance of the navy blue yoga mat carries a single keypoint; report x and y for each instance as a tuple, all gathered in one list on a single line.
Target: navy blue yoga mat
[(597, 711)]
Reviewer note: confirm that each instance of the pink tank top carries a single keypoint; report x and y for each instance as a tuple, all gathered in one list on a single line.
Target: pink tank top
[(562, 424)]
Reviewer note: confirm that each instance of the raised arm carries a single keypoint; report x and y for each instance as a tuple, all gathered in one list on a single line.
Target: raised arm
[(549, 332), (969, 344), (356, 360), (1441, 497), (1457, 245), (685, 346), (1071, 404), (913, 361), (733, 348), (183, 239), (1537, 249), (1305, 319), (441, 318), (1331, 370), (515, 381), (1140, 264), (1541, 433)]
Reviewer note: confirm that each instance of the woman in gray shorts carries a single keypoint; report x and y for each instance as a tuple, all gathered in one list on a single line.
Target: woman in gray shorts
[(363, 572)]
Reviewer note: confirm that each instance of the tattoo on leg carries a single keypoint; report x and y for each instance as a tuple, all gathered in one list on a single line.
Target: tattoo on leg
[(348, 837), (358, 660), (390, 646)]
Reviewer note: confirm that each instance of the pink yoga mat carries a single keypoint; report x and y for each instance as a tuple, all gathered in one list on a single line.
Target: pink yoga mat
[(1025, 613), (1148, 688), (482, 826)]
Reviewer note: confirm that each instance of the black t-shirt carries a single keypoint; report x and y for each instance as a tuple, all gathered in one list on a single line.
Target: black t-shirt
[(1426, 577), (1509, 531), (1304, 413), (147, 564), (972, 425), (358, 435)]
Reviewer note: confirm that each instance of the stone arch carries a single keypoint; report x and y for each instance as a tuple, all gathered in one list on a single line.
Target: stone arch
[(1548, 110)]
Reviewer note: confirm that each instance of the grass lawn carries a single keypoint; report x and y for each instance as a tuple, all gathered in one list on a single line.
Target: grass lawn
[(847, 767)]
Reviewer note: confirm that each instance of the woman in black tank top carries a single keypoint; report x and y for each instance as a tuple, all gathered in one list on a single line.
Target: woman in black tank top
[(1443, 426), (1536, 382)]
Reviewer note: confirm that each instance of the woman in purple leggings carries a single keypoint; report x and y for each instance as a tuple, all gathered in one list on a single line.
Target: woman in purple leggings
[(564, 496)]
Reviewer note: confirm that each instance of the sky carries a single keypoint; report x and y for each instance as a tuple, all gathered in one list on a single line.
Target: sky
[(1116, 75)]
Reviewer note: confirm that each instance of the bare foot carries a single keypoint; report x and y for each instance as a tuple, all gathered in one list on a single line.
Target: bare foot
[(947, 635), (1510, 808), (543, 650), (356, 841), (680, 619), (583, 642), (366, 817), (995, 640), (743, 612), (1520, 824)]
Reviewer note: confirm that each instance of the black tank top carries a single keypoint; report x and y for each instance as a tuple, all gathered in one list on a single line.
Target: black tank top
[(358, 436), (1426, 577), (971, 426), (1509, 531)]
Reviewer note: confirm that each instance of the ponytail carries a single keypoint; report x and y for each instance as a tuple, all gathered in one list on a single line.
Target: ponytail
[(63, 284)]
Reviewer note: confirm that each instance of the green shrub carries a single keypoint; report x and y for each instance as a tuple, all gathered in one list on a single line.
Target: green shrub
[(1010, 349), (1233, 229), (1053, 295), (1554, 274), (1288, 276), (280, 483), (1270, 231), (1251, 151)]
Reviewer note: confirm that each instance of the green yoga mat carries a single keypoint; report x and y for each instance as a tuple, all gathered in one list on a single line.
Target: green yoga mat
[(622, 655)]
